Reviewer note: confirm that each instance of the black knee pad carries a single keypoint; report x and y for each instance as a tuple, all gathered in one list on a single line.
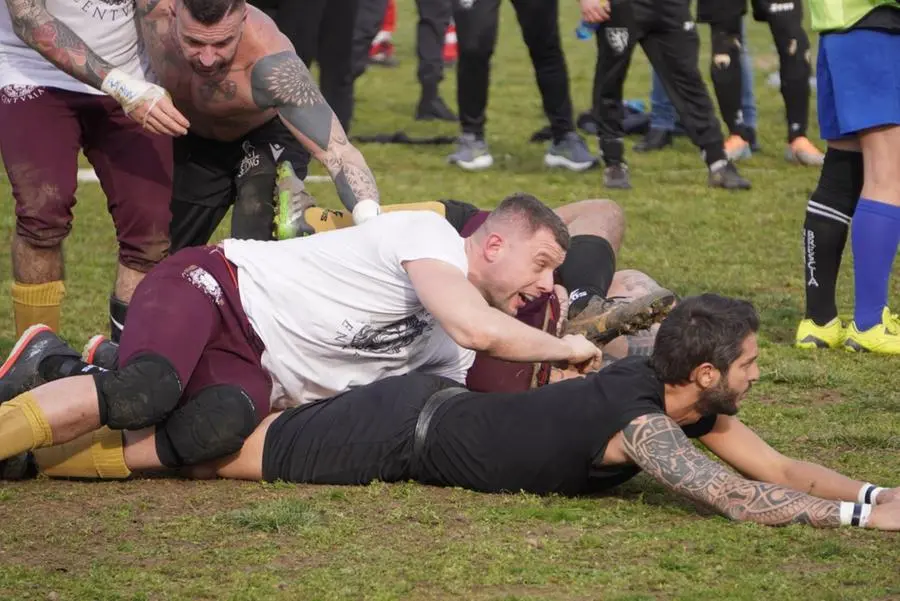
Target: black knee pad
[(213, 424), (841, 181), (138, 395)]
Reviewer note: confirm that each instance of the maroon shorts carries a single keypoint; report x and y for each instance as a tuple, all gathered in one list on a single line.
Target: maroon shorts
[(488, 374), (41, 132), (188, 310)]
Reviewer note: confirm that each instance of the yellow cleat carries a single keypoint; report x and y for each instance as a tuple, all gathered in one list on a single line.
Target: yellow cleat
[(882, 338), (811, 336)]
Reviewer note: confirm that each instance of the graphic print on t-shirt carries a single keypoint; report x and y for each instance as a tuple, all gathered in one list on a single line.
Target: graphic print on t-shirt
[(385, 340)]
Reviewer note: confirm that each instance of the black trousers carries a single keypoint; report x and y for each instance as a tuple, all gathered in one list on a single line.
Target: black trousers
[(476, 31), (665, 30), (434, 17), (322, 32), (785, 21)]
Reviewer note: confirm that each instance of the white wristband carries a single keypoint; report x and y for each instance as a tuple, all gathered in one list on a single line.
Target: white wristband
[(365, 210), (129, 91), (855, 514), (868, 493)]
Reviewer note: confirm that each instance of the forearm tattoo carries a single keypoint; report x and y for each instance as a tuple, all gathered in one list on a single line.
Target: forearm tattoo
[(56, 42), (283, 82), (659, 447)]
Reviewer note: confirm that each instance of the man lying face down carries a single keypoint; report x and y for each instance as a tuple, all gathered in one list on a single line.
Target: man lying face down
[(582, 435)]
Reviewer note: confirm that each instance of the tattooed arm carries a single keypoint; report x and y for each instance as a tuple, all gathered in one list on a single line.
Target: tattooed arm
[(659, 447), (281, 81), (56, 42)]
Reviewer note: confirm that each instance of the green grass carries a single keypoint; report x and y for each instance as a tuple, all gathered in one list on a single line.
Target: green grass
[(159, 539)]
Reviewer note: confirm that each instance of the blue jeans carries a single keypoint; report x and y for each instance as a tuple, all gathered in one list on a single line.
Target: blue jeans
[(662, 112)]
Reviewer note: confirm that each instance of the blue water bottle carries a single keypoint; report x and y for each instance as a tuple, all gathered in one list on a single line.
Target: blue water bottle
[(585, 30)]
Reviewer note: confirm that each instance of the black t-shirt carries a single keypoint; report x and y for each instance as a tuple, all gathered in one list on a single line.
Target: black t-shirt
[(547, 439)]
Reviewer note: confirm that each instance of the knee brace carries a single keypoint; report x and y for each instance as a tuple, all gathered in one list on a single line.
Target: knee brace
[(138, 395), (213, 424)]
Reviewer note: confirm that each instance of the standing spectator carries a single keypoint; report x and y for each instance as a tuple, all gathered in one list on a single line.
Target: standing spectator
[(476, 24)]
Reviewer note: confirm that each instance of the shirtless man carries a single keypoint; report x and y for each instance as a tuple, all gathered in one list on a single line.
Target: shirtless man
[(251, 103), (581, 436)]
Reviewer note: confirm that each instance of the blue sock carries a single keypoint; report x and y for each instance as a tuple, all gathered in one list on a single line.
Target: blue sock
[(876, 233)]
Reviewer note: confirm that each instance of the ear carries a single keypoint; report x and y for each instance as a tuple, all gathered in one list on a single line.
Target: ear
[(705, 375), (493, 246)]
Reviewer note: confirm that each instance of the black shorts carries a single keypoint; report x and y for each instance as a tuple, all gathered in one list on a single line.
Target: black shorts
[(458, 213), (541, 441), (211, 175)]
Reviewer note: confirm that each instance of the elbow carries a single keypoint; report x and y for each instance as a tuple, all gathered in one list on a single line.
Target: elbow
[(475, 336)]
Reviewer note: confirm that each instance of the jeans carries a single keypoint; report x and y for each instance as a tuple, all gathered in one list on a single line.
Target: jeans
[(662, 112)]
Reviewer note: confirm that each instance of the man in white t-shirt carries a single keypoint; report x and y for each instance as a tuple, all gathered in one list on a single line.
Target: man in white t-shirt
[(51, 107), (221, 334)]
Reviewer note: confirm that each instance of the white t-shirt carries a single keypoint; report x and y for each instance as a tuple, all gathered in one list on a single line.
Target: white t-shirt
[(108, 27), (337, 310)]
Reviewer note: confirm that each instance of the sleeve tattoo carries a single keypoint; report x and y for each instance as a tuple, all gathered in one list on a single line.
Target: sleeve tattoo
[(659, 447), (56, 42), (283, 82)]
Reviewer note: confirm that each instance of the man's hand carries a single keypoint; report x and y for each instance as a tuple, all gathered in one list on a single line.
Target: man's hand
[(584, 355), (146, 103), (889, 495), (595, 11), (885, 516)]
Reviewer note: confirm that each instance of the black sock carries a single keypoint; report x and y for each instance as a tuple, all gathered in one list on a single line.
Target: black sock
[(117, 312), (588, 269), (825, 230), (55, 367)]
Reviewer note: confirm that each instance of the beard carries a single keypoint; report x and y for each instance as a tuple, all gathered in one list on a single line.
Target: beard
[(720, 399)]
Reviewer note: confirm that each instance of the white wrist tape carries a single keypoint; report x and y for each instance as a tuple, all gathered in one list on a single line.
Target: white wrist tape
[(855, 514), (129, 91), (365, 210), (868, 493)]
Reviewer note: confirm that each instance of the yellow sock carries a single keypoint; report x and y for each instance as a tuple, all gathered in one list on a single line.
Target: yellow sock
[(324, 220), (23, 426), (99, 454), (428, 205), (37, 303)]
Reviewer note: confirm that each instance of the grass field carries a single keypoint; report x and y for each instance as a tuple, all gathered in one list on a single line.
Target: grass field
[(161, 539)]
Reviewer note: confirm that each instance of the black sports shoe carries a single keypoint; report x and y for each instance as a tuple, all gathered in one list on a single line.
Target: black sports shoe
[(727, 177), (616, 176), (102, 352), (20, 373), (434, 109), (656, 139)]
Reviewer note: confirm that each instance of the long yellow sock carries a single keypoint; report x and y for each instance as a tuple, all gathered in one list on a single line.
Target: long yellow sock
[(37, 303), (99, 454), (428, 205), (23, 426)]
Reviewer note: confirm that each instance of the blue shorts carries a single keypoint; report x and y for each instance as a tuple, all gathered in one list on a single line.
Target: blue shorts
[(858, 81)]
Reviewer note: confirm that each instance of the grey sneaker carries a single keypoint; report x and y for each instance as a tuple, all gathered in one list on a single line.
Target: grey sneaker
[(616, 176), (102, 352), (19, 373), (471, 153), (571, 152), (726, 176)]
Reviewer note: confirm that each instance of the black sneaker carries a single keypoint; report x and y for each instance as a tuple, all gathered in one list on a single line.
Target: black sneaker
[(656, 139), (20, 373), (604, 319), (727, 177), (102, 352), (434, 109), (616, 176)]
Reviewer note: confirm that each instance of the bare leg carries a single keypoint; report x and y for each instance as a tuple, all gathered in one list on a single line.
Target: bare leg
[(70, 406), (127, 280), (630, 284), (595, 217), (34, 264)]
